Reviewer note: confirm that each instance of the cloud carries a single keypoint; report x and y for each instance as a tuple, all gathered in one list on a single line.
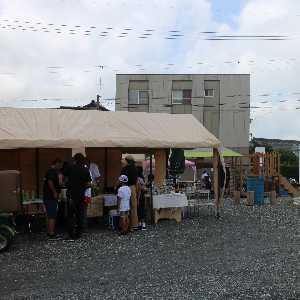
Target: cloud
[(277, 65), (26, 55), (29, 53)]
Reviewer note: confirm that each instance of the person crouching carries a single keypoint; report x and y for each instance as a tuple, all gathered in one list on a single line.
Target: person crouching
[(124, 194)]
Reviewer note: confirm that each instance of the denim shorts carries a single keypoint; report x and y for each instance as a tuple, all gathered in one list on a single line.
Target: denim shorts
[(51, 206), (124, 213)]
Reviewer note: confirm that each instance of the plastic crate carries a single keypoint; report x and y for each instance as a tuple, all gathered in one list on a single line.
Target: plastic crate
[(256, 184), (283, 193)]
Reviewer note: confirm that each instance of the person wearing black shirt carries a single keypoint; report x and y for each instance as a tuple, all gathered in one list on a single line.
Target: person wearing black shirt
[(79, 180), (131, 172), (51, 190), (141, 191), (227, 181)]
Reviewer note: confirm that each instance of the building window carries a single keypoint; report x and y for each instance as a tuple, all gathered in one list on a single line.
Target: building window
[(181, 96), (138, 97), (209, 93)]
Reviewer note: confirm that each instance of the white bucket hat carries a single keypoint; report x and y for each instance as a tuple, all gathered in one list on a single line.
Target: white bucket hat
[(123, 178)]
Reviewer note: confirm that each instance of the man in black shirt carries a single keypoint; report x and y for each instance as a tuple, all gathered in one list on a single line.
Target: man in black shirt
[(79, 180), (131, 172), (51, 190)]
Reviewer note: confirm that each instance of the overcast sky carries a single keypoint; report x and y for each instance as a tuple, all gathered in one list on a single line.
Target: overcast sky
[(51, 50)]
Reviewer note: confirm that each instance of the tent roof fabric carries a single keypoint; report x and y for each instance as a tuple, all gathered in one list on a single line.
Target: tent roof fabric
[(52, 128), (189, 154)]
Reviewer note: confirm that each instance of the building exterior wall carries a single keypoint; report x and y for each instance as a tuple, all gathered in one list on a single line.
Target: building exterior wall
[(226, 114)]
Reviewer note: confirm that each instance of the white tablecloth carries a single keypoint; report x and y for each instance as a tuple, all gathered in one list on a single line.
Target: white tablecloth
[(172, 200), (110, 200), (33, 201)]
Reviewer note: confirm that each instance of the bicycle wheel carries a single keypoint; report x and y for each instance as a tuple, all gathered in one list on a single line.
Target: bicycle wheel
[(7, 231), (4, 243)]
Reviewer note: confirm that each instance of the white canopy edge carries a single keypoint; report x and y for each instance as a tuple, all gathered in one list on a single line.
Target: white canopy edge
[(54, 128)]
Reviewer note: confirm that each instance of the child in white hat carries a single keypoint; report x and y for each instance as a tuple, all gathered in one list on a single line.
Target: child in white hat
[(124, 194)]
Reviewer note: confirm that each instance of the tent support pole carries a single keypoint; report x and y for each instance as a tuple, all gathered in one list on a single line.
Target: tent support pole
[(105, 169), (151, 173), (37, 171), (151, 186), (167, 162), (216, 180), (160, 167)]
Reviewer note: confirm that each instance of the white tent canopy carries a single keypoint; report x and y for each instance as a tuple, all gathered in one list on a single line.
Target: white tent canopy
[(54, 128)]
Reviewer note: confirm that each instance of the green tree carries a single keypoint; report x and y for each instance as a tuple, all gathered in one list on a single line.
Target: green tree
[(289, 164), (288, 158)]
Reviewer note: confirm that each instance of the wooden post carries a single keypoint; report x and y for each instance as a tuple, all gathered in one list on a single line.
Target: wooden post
[(241, 174), (235, 175), (167, 161), (237, 197), (151, 189), (160, 167), (273, 199), (114, 157), (216, 180), (250, 198), (105, 169), (37, 172)]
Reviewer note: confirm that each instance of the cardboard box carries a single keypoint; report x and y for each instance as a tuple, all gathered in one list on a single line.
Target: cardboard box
[(95, 208)]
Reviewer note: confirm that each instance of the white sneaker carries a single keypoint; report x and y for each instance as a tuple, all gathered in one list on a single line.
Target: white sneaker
[(143, 226)]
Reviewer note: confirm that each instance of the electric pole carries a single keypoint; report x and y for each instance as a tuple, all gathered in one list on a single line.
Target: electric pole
[(299, 162), (99, 96)]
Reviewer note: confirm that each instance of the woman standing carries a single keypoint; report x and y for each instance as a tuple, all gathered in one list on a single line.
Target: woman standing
[(130, 171), (141, 191)]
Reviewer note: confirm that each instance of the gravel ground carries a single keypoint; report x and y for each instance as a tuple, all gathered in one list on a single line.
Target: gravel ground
[(250, 253)]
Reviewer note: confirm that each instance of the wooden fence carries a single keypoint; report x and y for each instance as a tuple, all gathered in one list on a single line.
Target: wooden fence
[(265, 164)]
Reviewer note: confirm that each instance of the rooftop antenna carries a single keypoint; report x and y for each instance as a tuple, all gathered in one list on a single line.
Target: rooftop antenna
[(99, 96), (98, 102)]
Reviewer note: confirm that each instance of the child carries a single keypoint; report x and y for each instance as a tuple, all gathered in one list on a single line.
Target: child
[(124, 194)]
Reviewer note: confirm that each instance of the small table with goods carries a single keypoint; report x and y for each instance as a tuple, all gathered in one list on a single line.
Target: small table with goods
[(32, 210), (169, 206)]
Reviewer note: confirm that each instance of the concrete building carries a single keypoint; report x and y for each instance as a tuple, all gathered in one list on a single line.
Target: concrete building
[(220, 102)]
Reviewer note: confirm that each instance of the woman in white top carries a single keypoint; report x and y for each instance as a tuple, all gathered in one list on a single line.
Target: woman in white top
[(95, 173)]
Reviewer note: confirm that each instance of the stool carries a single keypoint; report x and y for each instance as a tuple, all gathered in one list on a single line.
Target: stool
[(113, 219)]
